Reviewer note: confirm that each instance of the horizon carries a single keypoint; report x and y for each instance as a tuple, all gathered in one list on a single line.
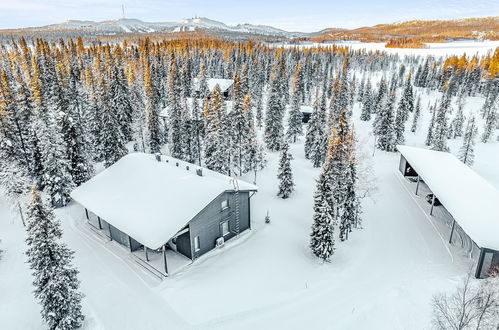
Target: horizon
[(297, 17)]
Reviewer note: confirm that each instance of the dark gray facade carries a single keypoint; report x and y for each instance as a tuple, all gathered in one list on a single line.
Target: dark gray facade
[(206, 227)]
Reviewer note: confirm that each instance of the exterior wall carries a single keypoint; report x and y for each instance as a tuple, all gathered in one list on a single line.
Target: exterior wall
[(405, 168), (488, 262), (208, 223), (184, 244)]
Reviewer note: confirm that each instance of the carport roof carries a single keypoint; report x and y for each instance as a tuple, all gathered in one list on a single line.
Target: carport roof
[(472, 201)]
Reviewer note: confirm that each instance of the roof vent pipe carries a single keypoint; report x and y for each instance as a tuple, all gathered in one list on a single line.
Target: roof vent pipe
[(199, 171), (158, 156)]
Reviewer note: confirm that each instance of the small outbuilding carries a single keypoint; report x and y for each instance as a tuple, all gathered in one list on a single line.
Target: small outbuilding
[(472, 202), (163, 209), (226, 86)]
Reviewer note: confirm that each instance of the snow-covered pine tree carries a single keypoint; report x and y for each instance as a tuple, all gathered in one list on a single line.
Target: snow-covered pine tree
[(416, 115), (152, 116), (55, 278), (439, 140), (197, 131), (254, 154), (294, 128), (316, 136), (467, 151), (259, 111), (383, 125), (215, 153), (120, 102), (367, 104), (379, 102), (175, 111), (285, 175), (73, 135), (322, 235), (203, 90), (274, 129), (431, 127), (490, 122), (113, 144), (458, 121)]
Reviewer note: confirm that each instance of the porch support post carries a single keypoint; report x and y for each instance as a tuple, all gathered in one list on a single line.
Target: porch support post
[(130, 243), (86, 213), (432, 204), (100, 224), (417, 185), (452, 232), (147, 255), (164, 259)]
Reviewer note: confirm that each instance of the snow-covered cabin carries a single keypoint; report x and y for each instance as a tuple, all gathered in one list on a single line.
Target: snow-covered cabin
[(159, 206), (226, 86), (471, 201), (306, 112)]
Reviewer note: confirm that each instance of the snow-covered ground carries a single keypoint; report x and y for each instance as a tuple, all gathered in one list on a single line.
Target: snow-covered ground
[(435, 49), (383, 277)]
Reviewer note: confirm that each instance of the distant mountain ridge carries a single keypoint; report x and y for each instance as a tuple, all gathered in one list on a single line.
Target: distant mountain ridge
[(424, 31), (136, 26)]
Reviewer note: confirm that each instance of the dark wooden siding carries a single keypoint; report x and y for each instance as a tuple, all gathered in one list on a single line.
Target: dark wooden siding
[(184, 245), (208, 223)]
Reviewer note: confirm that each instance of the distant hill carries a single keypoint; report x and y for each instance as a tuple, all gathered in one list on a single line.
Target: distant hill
[(416, 31), (425, 31)]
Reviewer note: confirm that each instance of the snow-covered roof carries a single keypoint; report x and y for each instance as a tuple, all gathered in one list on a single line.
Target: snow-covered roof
[(472, 201), (224, 84), (306, 109), (150, 200)]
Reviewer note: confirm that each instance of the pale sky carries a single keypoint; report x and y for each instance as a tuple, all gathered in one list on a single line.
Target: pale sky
[(291, 15)]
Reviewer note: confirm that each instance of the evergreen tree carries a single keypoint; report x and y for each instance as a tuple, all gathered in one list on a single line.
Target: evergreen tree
[(113, 144), (322, 236), (153, 136), (215, 151), (295, 116), (175, 111), (367, 104), (384, 126), (431, 127), (467, 151), (285, 175), (439, 140), (490, 123), (458, 122), (120, 103), (274, 129), (416, 115), (55, 278)]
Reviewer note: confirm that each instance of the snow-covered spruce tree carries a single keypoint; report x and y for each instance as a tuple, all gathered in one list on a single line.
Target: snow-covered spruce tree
[(55, 278), (215, 151), (399, 124), (197, 131), (274, 129), (322, 235), (255, 154), (119, 100), (367, 104), (490, 123), (467, 151), (439, 139), (294, 128), (153, 131), (316, 136), (384, 126), (350, 213), (285, 175), (381, 95), (431, 127), (73, 135), (203, 90), (113, 143), (259, 111), (416, 115), (458, 121), (175, 111)]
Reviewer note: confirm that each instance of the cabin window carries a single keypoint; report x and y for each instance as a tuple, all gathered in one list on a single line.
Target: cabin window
[(196, 244), (225, 204), (225, 228)]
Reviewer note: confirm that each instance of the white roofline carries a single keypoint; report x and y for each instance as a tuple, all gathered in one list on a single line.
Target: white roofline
[(150, 200), (470, 199)]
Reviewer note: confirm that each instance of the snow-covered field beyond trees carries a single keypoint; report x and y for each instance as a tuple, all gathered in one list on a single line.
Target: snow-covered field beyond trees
[(383, 277)]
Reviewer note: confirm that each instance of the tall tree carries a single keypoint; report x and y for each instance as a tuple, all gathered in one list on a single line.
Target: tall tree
[(285, 175), (55, 278), (467, 151)]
